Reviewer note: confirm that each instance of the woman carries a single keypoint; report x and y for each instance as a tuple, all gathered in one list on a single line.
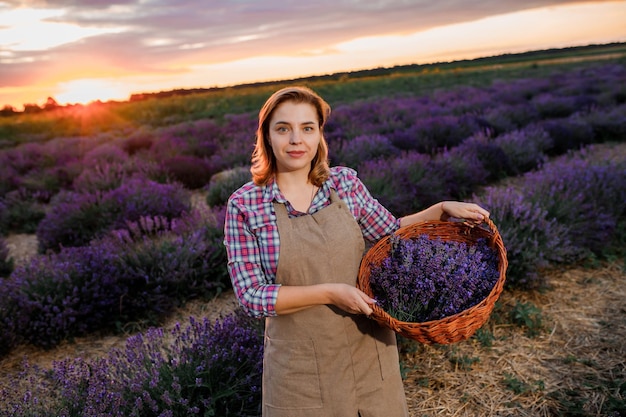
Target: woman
[(295, 239)]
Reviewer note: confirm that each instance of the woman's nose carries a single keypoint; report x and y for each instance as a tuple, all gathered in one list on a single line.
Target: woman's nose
[(294, 138)]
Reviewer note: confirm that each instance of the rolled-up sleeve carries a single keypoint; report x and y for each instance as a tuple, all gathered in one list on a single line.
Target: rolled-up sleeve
[(255, 291), (373, 218)]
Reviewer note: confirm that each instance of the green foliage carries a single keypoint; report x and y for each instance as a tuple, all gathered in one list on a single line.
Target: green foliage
[(519, 387), (485, 337), (612, 387), (528, 316), (462, 362), (20, 212), (224, 183)]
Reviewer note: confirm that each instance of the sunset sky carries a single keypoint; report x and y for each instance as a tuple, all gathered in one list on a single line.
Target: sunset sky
[(78, 51)]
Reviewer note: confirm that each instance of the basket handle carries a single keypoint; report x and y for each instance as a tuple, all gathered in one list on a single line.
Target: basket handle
[(491, 226), (496, 239)]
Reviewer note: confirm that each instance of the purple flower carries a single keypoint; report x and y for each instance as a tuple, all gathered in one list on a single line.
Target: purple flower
[(425, 279)]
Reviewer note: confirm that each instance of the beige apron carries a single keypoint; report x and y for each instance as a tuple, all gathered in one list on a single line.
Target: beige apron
[(323, 361)]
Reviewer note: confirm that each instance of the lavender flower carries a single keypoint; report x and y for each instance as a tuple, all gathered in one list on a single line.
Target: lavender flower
[(426, 279)]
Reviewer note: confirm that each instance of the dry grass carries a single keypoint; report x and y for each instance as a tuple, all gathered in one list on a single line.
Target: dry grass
[(572, 367)]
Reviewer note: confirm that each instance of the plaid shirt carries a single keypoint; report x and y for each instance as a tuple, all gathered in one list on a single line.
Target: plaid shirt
[(251, 233)]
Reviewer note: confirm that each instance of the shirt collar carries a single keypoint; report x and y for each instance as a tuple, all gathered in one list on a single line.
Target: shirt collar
[(271, 192)]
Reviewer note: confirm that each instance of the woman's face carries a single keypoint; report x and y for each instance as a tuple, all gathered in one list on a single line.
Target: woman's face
[(294, 136)]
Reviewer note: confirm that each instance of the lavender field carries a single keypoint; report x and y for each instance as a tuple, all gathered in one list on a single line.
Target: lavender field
[(128, 222)]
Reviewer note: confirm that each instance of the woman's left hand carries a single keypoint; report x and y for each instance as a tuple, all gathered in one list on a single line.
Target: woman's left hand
[(468, 211)]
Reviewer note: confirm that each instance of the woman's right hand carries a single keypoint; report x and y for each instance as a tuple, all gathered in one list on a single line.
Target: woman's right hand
[(350, 299)]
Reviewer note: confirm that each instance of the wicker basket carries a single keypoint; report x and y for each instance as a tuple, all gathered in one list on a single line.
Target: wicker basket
[(449, 329)]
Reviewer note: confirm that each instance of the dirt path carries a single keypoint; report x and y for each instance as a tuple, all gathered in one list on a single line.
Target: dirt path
[(21, 246)]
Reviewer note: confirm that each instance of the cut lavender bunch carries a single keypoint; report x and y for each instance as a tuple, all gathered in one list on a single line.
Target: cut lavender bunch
[(424, 279)]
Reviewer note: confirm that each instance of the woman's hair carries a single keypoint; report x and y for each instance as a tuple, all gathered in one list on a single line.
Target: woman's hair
[(263, 160)]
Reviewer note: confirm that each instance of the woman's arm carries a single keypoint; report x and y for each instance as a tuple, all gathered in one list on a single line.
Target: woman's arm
[(348, 298), (445, 209), (258, 294)]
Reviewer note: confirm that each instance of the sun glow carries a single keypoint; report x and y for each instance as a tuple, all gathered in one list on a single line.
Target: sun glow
[(90, 89), (105, 76)]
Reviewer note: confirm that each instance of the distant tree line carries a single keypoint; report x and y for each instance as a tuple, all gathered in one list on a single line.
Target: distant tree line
[(51, 104)]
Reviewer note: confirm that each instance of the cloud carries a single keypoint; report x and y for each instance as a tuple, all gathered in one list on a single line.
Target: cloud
[(110, 49), (162, 36)]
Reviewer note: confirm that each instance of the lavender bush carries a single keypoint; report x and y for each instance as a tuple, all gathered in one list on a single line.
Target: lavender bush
[(464, 99), (63, 295), (531, 239), (424, 279), (460, 171), (43, 168), (8, 311), (21, 211), (209, 369), (136, 274), (163, 270), (224, 183), (525, 149), (109, 175), (567, 134), (382, 116), (106, 153), (430, 134), (560, 213), (405, 183), (362, 148), (74, 219), (507, 117), (550, 105), (10, 176), (586, 194), (206, 368), (24, 158), (140, 140), (608, 124), (219, 146), (482, 148), (521, 90), (191, 171)]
